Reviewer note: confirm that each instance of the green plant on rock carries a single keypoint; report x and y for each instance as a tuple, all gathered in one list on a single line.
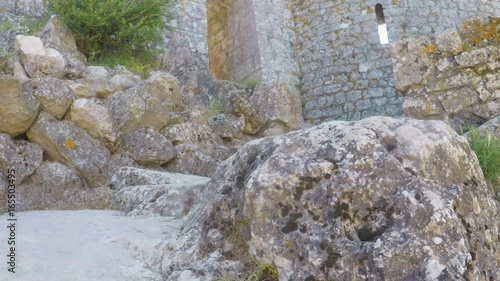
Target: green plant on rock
[(487, 149), (6, 25), (115, 31), (214, 108), (261, 272), (5, 66), (33, 25)]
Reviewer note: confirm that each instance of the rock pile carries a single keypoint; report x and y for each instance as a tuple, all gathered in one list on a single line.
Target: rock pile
[(93, 120)]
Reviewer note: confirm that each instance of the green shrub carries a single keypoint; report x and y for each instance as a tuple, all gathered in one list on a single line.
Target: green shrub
[(115, 29), (487, 149)]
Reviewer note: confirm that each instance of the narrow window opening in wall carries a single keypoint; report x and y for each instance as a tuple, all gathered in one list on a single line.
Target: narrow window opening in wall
[(382, 28)]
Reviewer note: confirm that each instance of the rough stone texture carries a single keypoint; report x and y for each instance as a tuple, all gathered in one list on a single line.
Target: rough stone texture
[(199, 151), (190, 160), (353, 200), (452, 76), (54, 95), (55, 177), (93, 116), (94, 72), (227, 126), (197, 135), (120, 82), (167, 194), (277, 102), (18, 109), (81, 90), (57, 35), (117, 161), (147, 147), (35, 8), (491, 127), (151, 103), (38, 61), (238, 102), (19, 155), (96, 78), (72, 146), (52, 186), (74, 67)]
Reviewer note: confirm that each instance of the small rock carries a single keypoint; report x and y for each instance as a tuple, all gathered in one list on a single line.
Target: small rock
[(148, 147), (18, 109), (38, 61)]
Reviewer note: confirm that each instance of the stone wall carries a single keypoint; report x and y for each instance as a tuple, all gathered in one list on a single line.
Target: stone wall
[(452, 75), (34, 8), (250, 41), (345, 72)]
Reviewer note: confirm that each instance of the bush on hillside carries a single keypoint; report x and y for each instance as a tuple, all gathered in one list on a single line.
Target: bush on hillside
[(115, 29)]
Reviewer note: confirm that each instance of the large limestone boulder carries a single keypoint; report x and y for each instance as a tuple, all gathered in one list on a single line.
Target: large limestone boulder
[(72, 146), (38, 61), (147, 147), (18, 109), (93, 116), (377, 199), (53, 185), (149, 192), (151, 104), (54, 95), (20, 156)]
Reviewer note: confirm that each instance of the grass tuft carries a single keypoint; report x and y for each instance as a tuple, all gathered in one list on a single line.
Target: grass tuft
[(487, 149)]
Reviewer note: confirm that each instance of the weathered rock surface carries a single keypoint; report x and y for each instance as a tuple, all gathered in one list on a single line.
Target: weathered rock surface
[(93, 116), (117, 161), (149, 104), (123, 79), (198, 149), (96, 78), (81, 90), (167, 194), (452, 76), (20, 156), (147, 147), (190, 160), (491, 127), (227, 126), (238, 102), (53, 185), (363, 200), (54, 95), (58, 36), (74, 67), (18, 109), (54, 175), (65, 143), (278, 102), (38, 61)]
